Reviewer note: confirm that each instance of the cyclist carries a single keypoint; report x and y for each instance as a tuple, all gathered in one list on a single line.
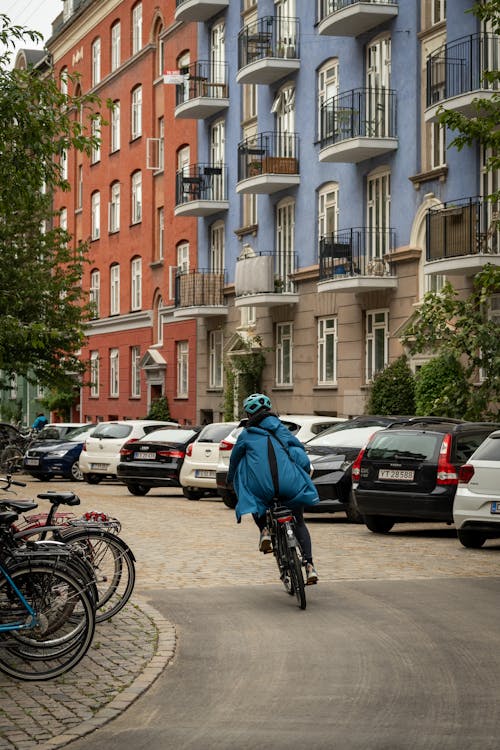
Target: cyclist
[(258, 478), (40, 421)]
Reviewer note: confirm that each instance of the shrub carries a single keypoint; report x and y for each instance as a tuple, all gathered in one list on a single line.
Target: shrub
[(159, 409), (441, 388), (393, 389)]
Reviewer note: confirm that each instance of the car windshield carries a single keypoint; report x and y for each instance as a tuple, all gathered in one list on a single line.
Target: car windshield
[(394, 446), (353, 438), (79, 432), (169, 436), (114, 430)]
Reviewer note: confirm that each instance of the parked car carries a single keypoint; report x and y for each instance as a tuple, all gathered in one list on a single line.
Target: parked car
[(57, 431), (476, 508), (101, 451), (197, 475), (303, 426), (154, 460), (411, 473), (52, 458)]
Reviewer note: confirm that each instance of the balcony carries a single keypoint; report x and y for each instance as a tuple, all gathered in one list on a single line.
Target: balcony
[(358, 125), (356, 260), (268, 50), (198, 10), (199, 294), (263, 280), (268, 163), (455, 74), (201, 190), (462, 236), (205, 91), (352, 17)]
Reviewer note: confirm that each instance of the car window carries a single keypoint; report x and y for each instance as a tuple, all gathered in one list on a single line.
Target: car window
[(320, 427), (166, 436), (115, 431), (467, 444), (292, 426), (346, 439), (80, 432), (214, 433), (50, 433), (489, 450), (390, 446)]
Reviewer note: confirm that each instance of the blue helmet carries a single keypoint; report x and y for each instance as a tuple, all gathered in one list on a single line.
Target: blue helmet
[(257, 401)]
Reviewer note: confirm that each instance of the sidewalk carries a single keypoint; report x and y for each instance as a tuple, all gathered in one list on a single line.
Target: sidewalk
[(127, 655)]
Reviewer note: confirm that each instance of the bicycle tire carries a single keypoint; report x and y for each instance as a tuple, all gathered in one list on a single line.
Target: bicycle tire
[(11, 459), (37, 656), (297, 577)]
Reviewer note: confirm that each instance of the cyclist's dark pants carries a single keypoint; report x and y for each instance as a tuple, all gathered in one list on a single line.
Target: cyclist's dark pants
[(302, 531)]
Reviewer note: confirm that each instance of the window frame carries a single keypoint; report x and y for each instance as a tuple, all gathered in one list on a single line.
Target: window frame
[(182, 360), (95, 211), (372, 366), (94, 374), (96, 61), (135, 372), (136, 195), (136, 283), (114, 372), (284, 354), (114, 289), (115, 46), (215, 358), (136, 112), (327, 360)]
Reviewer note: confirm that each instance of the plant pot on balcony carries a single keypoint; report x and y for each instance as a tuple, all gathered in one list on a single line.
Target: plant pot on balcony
[(254, 168)]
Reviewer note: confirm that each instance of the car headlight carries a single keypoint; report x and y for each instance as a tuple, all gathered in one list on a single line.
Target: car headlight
[(57, 454)]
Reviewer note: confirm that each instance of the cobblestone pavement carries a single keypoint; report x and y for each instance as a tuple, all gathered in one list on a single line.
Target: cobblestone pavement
[(180, 543)]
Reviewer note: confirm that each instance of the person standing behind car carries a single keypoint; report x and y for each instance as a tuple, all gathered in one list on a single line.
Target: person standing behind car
[(40, 421), (264, 441)]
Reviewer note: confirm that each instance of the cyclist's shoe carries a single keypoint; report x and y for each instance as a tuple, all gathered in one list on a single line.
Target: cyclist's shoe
[(265, 544), (311, 575)]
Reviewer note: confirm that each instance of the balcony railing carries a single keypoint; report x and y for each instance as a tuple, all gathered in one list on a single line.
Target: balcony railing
[(201, 182), (268, 153), (355, 252), (367, 113), (200, 288), (203, 79), (353, 17), (469, 226), (458, 68), (265, 273), (270, 36)]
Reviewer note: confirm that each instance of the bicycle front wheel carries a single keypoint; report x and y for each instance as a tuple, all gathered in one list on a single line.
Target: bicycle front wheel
[(297, 577)]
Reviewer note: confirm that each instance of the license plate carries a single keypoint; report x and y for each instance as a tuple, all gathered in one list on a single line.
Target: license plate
[(204, 473), (495, 507), (397, 474), (32, 461), (144, 455), (103, 467)]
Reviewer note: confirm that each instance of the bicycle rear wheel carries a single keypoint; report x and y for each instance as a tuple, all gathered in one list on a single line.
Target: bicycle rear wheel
[(297, 577)]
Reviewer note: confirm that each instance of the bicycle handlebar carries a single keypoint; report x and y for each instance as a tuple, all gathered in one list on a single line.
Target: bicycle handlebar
[(9, 481)]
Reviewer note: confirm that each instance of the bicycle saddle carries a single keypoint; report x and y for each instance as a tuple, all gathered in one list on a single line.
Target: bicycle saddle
[(19, 505), (60, 498), (7, 518)]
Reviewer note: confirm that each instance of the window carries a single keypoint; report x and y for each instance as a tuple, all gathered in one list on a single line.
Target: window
[(438, 11), (248, 316), (327, 351), (64, 164), (136, 284), (217, 139), (161, 234), (63, 81), (377, 336), (94, 374), (136, 114), (114, 208), (328, 210), (284, 109), (249, 100), (183, 257), (115, 126), (63, 219), (136, 197), (215, 359), (136, 28), (114, 373), (161, 144), (283, 354), (95, 129), (96, 215), (95, 292), (159, 320), (378, 214), (285, 239), (328, 88), (217, 247), (438, 145), (182, 369), (114, 280), (96, 61), (135, 371), (79, 192), (115, 46)]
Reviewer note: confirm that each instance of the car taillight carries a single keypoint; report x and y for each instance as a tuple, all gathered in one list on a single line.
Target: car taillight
[(84, 447), (446, 472), (465, 473), (126, 451), (224, 445), (356, 467), (170, 454), (189, 450)]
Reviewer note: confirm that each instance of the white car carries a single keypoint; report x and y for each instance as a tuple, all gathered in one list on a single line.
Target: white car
[(197, 475), (101, 451), (476, 506)]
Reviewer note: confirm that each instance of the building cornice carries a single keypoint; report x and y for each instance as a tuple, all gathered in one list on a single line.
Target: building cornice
[(120, 323)]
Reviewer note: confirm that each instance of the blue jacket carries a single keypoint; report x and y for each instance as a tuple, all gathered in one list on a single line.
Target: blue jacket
[(250, 472)]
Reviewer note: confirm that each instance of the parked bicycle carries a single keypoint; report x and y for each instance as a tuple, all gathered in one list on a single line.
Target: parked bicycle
[(12, 452), (286, 549)]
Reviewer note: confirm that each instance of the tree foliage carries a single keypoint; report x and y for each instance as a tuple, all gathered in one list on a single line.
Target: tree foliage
[(159, 409), (393, 389), (42, 307), (463, 328), (441, 388)]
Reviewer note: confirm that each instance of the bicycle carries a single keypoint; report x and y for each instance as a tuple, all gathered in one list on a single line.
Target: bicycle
[(286, 549), (12, 453), (47, 618)]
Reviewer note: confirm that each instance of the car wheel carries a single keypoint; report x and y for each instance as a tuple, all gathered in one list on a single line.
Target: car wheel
[(352, 510), (379, 524), (471, 539), (44, 477), (138, 489), (192, 494), (230, 501), (92, 478), (76, 472)]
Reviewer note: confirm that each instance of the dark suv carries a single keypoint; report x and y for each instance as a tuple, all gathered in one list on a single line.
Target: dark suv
[(410, 473)]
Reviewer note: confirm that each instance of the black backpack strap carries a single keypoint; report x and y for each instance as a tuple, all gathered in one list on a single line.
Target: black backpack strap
[(273, 465)]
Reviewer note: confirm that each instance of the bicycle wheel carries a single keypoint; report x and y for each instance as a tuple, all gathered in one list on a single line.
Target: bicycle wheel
[(11, 459), (297, 577), (65, 622), (113, 564)]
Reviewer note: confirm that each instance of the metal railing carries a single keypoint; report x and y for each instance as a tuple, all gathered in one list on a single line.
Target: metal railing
[(327, 7), (270, 36), (369, 113), (268, 153), (203, 78), (201, 182), (458, 67), (464, 227), (200, 288), (358, 251)]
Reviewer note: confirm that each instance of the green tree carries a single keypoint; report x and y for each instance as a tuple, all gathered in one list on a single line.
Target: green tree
[(464, 329), (393, 389), (42, 307), (159, 409), (441, 388)]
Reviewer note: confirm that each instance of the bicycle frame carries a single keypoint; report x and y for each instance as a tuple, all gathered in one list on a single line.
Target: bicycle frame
[(32, 621)]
